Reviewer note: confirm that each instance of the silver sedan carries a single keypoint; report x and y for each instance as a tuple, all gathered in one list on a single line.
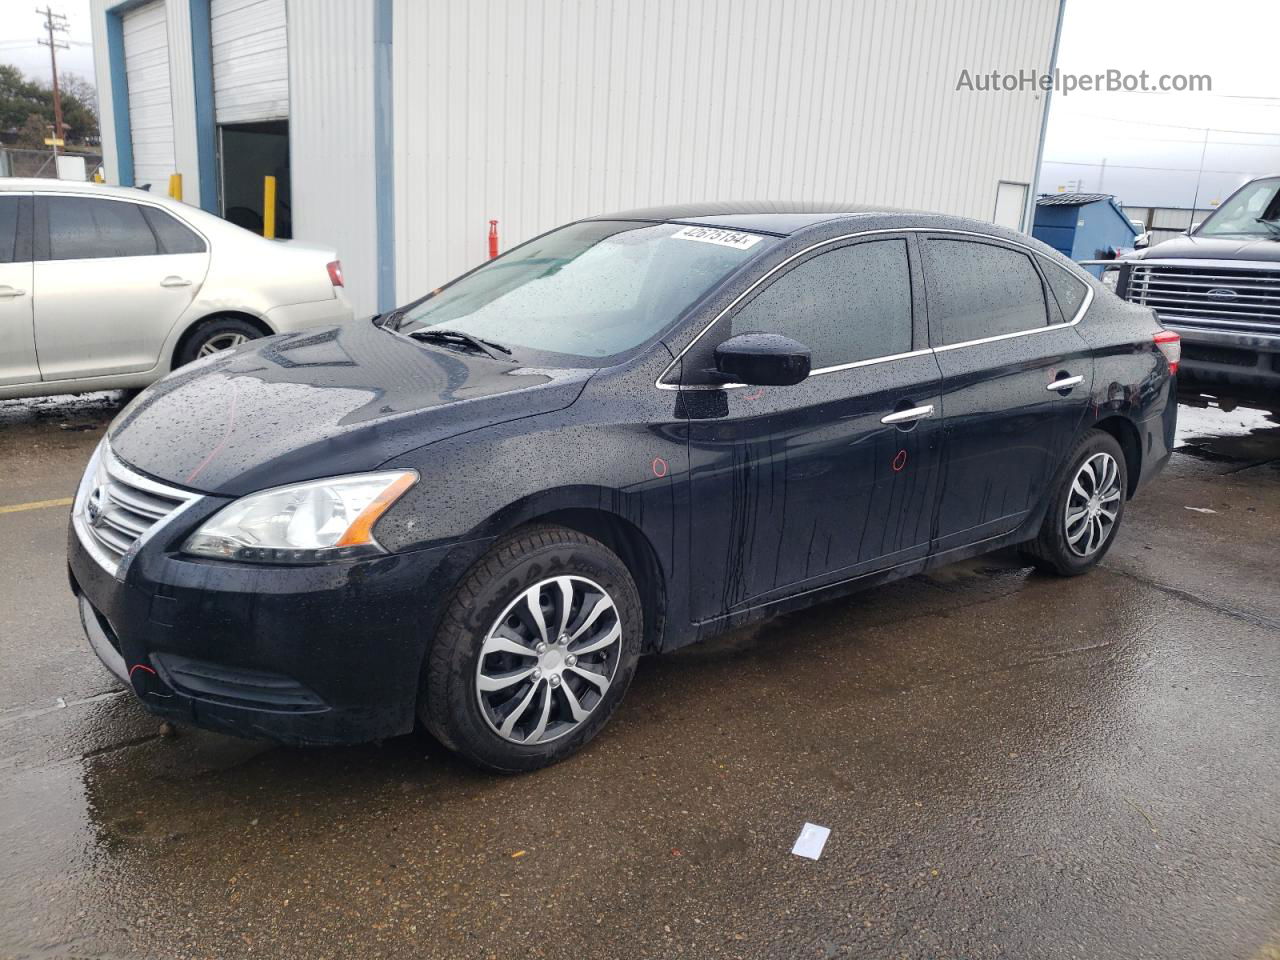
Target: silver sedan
[(108, 287)]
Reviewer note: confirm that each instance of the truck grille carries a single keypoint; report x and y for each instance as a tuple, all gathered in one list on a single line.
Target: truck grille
[(117, 508), (1210, 297)]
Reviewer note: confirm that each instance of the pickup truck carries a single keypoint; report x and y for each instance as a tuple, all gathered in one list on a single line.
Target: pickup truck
[(1219, 288)]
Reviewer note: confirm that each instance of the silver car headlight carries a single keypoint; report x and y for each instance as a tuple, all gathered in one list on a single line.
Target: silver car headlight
[(312, 522)]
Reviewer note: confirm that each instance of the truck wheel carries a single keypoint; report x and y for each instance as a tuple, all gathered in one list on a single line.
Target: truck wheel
[(214, 336), (1086, 509), (535, 650)]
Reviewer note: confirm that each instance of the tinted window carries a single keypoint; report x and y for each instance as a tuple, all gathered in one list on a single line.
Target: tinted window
[(979, 290), (9, 228), (174, 237), (847, 305), (1067, 289), (82, 228)]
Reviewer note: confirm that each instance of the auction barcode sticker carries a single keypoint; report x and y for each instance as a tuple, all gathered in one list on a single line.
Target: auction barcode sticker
[(725, 238)]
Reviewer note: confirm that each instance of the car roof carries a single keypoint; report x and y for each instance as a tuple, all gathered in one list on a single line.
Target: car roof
[(780, 217)]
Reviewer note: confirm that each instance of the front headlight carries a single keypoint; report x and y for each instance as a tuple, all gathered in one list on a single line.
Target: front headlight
[(304, 523)]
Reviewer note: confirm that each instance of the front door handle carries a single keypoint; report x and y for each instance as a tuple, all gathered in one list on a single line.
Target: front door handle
[(175, 282), (909, 416), (8, 293), (1066, 383)]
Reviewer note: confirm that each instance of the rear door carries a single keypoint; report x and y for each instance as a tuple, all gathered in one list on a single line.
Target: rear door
[(112, 277), (17, 334), (1016, 381), (795, 487)]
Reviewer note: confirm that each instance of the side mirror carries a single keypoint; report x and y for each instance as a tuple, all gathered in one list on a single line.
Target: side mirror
[(1142, 241), (762, 360)]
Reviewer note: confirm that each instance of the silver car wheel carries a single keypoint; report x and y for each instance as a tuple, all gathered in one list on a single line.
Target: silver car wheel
[(221, 341), (548, 660), (1092, 504)]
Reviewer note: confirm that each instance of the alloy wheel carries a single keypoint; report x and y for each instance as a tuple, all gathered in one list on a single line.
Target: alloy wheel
[(1092, 504), (221, 341), (548, 660)]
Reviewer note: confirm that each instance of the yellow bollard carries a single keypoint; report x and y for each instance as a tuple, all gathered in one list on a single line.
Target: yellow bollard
[(269, 207), (98, 177), (175, 186)]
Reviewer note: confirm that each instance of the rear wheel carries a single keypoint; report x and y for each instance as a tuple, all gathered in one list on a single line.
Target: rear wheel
[(214, 336), (1086, 509), (535, 650)]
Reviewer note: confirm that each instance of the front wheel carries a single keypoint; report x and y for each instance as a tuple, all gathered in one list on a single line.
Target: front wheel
[(1086, 509), (534, 652)]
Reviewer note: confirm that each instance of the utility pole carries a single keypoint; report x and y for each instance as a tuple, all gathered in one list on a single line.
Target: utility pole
[(54, 23)]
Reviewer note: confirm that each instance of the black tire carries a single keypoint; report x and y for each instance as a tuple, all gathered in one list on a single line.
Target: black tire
[(212, 330), (449, 704), (1051, 551)]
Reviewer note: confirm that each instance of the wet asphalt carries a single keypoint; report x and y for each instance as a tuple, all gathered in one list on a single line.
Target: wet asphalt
[(1011, 765)]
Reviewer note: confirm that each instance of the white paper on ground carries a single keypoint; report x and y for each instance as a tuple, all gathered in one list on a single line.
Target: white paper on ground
[(811, 841)]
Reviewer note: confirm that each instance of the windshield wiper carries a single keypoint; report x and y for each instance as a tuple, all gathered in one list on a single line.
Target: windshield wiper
[(487, 347), (1266, 222)]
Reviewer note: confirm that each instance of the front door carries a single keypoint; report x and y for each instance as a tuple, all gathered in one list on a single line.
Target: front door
[(1016, 381), (17, 332), (795, 487), (112, 278)]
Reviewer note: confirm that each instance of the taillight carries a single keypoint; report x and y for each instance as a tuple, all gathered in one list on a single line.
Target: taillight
[(335, 272), (1170, 345)]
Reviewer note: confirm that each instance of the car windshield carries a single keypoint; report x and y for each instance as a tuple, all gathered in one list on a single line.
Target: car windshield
[(589, 291), (1251, 211)]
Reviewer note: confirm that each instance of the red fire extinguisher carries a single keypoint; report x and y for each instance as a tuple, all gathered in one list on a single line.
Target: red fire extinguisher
[(493, 239)]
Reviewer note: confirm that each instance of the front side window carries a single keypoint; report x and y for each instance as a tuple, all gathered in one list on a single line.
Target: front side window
[(1252, 211), (846, 305), (84, 228), (590, 291), (979, 290)]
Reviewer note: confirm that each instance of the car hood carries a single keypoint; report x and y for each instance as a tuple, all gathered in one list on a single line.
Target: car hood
[(1214, 248), (321, 403)]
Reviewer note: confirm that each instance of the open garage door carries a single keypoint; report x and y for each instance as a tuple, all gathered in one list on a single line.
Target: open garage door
[(251, 107), (146, 65)]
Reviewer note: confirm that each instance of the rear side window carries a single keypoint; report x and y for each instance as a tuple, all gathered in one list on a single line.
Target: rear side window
[(174, 237), (9, 208), (850, 304), (979, 290), (1067, 289), (84, 228)]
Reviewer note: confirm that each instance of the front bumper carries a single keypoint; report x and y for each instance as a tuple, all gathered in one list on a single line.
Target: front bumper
[(300, 655), (1248, 362)]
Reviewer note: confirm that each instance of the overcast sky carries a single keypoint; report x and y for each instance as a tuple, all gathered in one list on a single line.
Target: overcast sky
[(20, 26), (1153, 143)]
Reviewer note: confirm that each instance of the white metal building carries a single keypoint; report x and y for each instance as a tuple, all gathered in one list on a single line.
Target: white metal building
[(400, 128)]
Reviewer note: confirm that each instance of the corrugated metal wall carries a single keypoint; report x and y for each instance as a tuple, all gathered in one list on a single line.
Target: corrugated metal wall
[(331, 135), (538, 112)]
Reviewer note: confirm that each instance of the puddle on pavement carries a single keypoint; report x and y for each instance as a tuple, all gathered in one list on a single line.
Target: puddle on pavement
[(1241, 435)]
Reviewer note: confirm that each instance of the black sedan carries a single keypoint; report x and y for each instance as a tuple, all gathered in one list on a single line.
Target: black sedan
[(623, 436)]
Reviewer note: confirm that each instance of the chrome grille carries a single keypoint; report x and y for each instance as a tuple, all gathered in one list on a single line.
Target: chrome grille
[(1216, 298), (116, 508)]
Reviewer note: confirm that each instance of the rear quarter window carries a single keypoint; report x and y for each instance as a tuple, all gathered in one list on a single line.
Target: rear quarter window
[(1068, 289), (174, 237)]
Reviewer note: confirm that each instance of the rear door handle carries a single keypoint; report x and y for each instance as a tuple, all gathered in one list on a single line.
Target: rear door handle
[(909, 416), (175, 282), (1066, 383), (8, 293)]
